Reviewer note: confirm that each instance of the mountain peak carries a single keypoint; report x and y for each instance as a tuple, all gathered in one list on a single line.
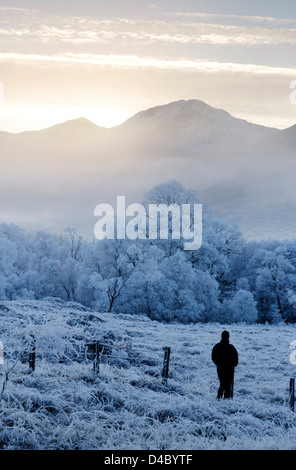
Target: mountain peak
[(188, 124), (78, 123), (186, 108)]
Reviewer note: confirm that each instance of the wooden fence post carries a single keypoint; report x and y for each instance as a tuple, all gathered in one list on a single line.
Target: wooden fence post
[(96, 363), (93, 353), (32, 356), (292, 393), (166, 361), (1, 353)]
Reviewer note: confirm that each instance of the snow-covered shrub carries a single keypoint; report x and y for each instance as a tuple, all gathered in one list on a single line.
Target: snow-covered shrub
[(240, 308)]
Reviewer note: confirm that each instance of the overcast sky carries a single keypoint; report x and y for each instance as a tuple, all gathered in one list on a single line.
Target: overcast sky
[(108, 59)]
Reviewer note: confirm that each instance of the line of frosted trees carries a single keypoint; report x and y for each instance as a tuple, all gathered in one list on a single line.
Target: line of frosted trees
[(227, 280)]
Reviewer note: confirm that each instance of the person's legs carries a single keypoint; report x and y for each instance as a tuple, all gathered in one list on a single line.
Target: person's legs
[(228, 380), (220, 392), (221, 388), (227, 389)]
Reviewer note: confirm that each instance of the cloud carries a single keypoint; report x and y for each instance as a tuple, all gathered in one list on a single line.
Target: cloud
[(138, 62), (230, 17), (16, 9), (79, 30), (222, 35)]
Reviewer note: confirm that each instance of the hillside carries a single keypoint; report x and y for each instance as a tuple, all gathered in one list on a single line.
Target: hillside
[(187, 125), (63, 405), (54, 178)]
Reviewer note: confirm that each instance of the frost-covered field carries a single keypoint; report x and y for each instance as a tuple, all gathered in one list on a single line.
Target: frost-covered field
[(63, 405)]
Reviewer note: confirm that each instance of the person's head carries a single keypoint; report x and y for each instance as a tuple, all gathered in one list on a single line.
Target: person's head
[(225, 336)]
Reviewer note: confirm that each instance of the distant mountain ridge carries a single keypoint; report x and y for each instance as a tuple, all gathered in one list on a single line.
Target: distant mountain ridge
[(191, 123), (53, 178), (186, 124)]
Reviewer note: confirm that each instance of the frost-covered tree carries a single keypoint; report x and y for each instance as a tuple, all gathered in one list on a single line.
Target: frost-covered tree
[(173, 195), (274, 278), (227, 279), (240, 308), (116, 261)]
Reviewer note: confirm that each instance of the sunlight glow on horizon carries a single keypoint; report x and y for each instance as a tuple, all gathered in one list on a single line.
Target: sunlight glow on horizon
[(33, 118), (22, 118)]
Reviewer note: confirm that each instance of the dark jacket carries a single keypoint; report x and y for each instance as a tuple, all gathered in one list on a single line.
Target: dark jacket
[(224, 355)]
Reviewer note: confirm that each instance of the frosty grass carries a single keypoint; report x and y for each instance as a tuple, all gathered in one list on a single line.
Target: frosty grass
[(64, 405)]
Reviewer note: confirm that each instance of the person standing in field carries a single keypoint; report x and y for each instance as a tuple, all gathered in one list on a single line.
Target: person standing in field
[(225, 357)]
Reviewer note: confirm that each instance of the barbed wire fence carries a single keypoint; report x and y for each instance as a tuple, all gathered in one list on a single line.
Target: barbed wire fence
[(96, 353)]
